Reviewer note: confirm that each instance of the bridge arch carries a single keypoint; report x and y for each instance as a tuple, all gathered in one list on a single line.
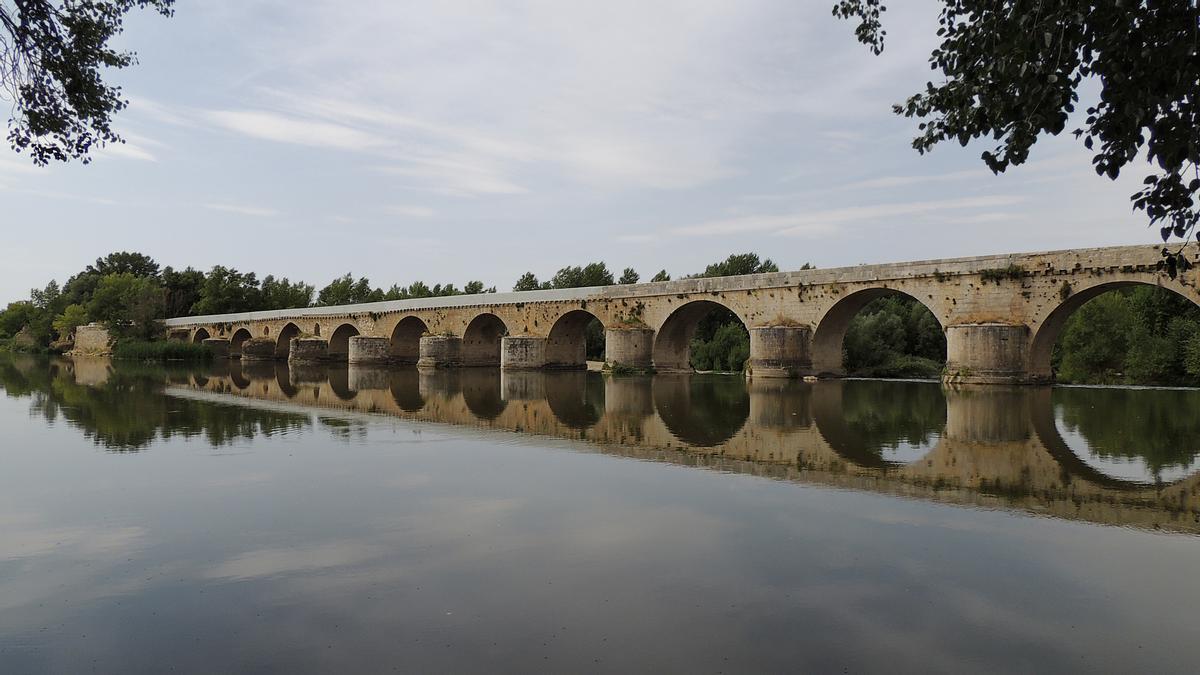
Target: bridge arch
[(568, 342), (283, 343), (481, 340), (339, 341), (1047, 333), (200, 335), (829, 337), (673, 340), (405, 343), (235, 341)]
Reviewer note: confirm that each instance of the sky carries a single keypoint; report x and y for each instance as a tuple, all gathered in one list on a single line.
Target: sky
[(463, 140)]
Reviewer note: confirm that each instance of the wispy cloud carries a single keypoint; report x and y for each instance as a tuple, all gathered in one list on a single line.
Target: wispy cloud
[(409, 211), (821, 222), (241, 209), (283, 129)]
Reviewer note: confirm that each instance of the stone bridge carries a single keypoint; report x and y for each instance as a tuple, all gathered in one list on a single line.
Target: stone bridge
[(1001, 315)]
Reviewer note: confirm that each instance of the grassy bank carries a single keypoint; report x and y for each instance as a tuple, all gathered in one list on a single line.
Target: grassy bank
[(161, 350), (903, 366)]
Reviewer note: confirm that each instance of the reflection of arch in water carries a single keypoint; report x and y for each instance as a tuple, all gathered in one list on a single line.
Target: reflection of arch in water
[(283, 342), (199, 336), (339, 342), (283, 377), (481, 340), (235, 341), (566, 345), (405, 385), (860, 419), (481, 393), (673, 341), (339, 381), (829, 337), (405, 343), (1046, 428), (701, 410), (238, 377), (576, 398), (1042, 345)]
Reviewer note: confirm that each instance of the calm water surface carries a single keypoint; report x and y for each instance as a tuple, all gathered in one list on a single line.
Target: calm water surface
[(251, 517)]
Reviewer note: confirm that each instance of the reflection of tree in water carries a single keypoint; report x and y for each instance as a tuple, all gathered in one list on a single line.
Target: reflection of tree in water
[(863, 419), (702, 410), (1159, 427), (129, 410)]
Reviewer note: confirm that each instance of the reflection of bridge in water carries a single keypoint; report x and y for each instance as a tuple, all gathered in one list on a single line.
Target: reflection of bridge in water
[(989, 447)]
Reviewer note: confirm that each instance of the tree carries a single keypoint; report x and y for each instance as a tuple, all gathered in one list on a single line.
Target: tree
[(128, 306), (346, 291), (738, 264), (72, 317), (1013, 71), (52, 56), (527, 282), (183, 290), (226, 290), (592, 274), (15, 317), (122, 262), (661, 276), (629, 276), (283, 294)]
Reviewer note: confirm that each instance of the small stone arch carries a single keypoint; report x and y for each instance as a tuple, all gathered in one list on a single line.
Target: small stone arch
[(830, 333), (1041, 346), (283, 343), (200, 335), (405, 343), (481, 340), (673, 340), (339, 342), (566, 345), (235, 341)]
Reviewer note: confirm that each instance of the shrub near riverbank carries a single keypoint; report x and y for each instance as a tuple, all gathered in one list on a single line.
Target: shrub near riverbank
[(161, 350)]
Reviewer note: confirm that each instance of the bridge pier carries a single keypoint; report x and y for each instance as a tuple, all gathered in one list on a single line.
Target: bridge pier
[(780, 351), (522, 352), (440, 351), (367, 350), (258, 349), (307, 350), (629, 348), (987, 353), (218, 346)]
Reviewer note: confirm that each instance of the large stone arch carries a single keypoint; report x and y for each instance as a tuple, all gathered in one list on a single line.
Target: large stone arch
[(566, 344), (235, 341), (830, 331), (283, 342), (673, 339), (339, 341), (200, 335), (481, 340), (1049, 329), (405, 342)]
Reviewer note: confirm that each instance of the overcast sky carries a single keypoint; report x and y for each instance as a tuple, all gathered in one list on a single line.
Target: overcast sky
[(448, 141)]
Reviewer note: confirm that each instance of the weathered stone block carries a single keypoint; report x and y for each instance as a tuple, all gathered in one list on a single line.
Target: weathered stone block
[(364, 349), (629, 347), (987, 353), (780, 351), (218, 346), (308, 350), (440, 351), (258, 349), (522, 352), (92, 339)]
